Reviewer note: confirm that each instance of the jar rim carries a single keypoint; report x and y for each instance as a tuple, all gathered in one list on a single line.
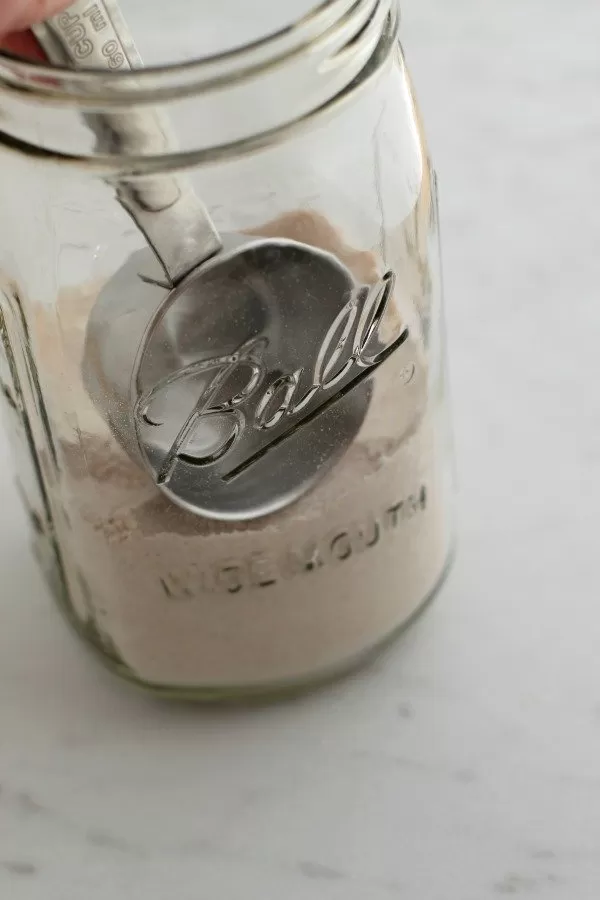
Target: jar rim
[(267, 100), (174, 80)]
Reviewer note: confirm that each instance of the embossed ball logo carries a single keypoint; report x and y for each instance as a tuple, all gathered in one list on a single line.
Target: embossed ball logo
[(255, 377)]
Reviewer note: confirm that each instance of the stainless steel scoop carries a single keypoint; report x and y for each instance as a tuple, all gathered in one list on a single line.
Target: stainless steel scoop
[(171, 216), (244, 381)]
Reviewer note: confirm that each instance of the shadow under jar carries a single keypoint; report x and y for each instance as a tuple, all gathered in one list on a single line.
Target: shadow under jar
[(240, 479)]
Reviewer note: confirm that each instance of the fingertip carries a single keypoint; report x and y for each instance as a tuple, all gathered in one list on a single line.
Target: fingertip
[(18, 15), (23, 43)]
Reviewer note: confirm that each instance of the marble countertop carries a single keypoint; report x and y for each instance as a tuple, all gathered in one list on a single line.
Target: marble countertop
[(464, 764)]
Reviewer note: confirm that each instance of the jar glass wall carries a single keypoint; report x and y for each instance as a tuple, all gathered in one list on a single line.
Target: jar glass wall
[(304, 516)]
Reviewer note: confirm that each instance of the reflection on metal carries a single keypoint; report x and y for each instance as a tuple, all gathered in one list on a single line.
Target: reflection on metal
[(240, 388)]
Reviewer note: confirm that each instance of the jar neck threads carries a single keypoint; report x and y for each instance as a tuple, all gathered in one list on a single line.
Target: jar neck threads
[(219, 106)]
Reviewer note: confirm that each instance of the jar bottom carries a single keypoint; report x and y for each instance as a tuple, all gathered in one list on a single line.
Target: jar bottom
[(260, 693)]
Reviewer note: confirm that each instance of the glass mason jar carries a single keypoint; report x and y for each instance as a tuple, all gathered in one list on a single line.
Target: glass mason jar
[(236, 459)]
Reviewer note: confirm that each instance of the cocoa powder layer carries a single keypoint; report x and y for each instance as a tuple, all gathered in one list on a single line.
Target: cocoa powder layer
[(188, 601)]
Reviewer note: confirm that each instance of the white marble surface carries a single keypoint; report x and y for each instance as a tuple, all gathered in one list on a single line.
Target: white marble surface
[(465, 764)]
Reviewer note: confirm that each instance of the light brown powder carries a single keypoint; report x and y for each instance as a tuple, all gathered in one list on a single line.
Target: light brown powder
[(195, 602)]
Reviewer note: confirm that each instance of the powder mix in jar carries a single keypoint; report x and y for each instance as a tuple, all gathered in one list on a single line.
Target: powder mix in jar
[(230, 378)]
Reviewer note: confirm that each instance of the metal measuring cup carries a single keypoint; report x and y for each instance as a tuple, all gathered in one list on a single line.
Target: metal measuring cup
[(237, 370)]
